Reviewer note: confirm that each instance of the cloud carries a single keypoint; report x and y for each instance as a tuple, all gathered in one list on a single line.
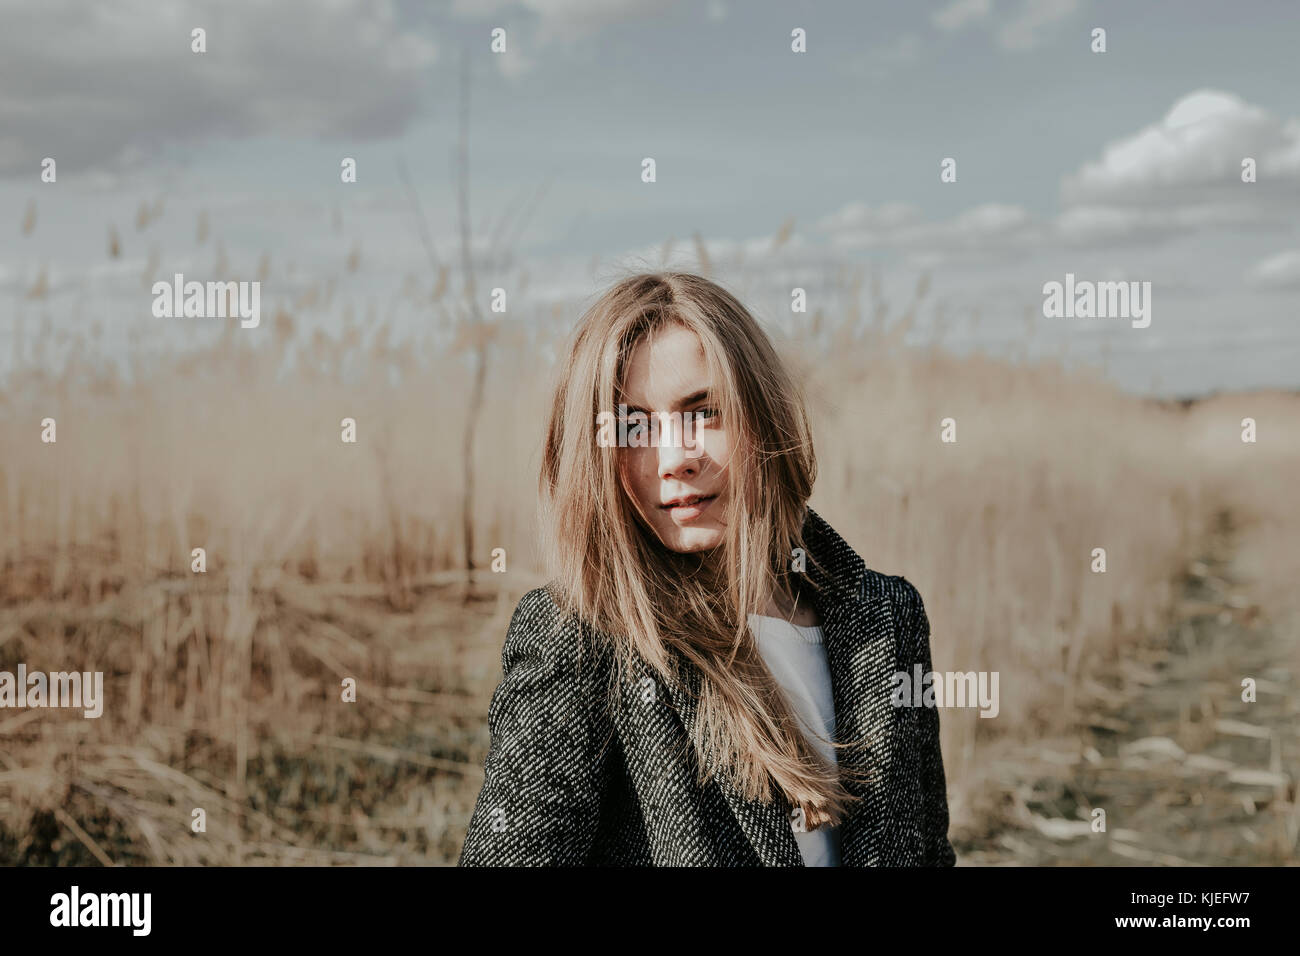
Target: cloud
[(1281, 271), (477, 9), (859, 217), (959, 13), (1184, 173), (1024, 29), (1035, 19), (1176, 177), (990, 228), (112, 86), (565, 22), (1200, 143), (1095, 225), (570, 20), (513, 62), (884, 60)]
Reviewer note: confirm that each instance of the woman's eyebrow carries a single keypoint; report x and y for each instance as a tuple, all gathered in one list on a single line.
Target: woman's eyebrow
[(699, 396)]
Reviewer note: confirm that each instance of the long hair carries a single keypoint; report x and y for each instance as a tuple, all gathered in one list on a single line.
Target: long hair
[(666, 607)]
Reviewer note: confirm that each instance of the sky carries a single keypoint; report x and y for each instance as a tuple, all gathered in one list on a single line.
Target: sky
[(1123, 165)]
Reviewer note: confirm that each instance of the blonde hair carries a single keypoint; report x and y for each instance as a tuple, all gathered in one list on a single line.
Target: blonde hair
[(666, 607)]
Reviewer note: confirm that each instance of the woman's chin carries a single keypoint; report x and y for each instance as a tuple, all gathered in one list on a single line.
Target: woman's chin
[(690, 540)]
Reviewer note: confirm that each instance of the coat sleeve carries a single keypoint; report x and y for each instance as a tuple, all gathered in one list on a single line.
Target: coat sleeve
[(544, 773), (938, 850)]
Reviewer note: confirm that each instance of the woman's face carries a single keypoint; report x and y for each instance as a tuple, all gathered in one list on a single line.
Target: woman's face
[(666, 374)]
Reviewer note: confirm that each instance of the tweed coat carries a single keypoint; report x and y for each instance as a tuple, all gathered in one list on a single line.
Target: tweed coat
[(568, 783)]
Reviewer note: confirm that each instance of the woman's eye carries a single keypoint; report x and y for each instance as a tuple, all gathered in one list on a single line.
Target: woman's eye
[(708, 412)]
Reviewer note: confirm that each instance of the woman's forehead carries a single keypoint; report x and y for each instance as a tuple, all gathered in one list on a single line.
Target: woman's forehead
[(666, 368)]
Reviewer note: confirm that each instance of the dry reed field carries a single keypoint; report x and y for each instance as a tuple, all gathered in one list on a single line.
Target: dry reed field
[(329, 560)]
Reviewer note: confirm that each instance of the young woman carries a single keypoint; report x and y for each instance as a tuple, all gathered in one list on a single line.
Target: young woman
[(707, 680)]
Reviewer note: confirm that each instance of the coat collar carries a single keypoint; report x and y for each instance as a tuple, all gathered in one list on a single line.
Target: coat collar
[(858, 630)]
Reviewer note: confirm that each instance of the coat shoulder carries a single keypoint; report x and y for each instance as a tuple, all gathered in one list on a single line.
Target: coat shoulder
[(540, 627), (903, 596), (537, 624), (901, 592)]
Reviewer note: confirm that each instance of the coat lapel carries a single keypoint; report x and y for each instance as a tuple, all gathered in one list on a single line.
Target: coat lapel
[(766, 826), (858, 629), (860, 650)]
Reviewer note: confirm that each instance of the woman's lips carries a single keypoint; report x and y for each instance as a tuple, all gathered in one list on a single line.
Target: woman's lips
[(683, 513)]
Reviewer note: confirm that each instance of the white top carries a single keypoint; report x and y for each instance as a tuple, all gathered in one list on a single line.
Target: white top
[(796, 656)]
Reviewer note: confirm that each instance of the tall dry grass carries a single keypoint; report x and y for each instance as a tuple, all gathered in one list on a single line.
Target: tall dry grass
[(328, 560)]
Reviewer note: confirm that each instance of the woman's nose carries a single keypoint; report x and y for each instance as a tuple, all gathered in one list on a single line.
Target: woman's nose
[(676, 465), (675, 458)]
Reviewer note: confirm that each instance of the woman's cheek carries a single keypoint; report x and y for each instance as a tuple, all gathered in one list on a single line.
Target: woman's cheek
[(717, 447), (642, 474)]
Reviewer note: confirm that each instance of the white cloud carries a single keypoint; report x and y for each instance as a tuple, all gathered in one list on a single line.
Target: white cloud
[(1174, 178), (1171, 179), (859, 217), (1035, 18), (107, 86), (1091, 225), (1184, 173), (881, 61), (513, 62), (477, 9), (992, 219), (570, 20), (959, 13), (566, 21), (1281, 271), (1200, 142), (985, 229)]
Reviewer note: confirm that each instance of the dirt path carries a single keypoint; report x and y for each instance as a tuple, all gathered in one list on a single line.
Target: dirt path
[(1185, 770)]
